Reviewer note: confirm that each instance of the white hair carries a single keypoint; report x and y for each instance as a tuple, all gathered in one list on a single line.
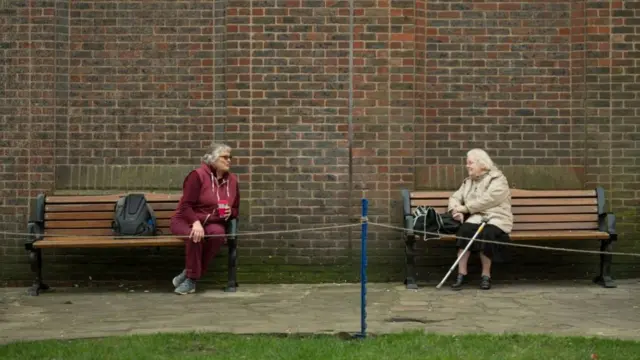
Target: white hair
[(482, 158), (214, 152)]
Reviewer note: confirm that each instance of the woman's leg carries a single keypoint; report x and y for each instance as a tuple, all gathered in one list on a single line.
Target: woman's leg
[(198, 256), (182, 229), (193, 251), (465, 232), (193, 258), (492, 233), (211, 244), (486, 265), (464, 261)]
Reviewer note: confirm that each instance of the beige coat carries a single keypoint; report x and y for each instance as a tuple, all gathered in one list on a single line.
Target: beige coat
[(488, 196)]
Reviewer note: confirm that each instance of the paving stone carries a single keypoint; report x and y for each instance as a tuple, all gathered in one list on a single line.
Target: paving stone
[(550, 308)]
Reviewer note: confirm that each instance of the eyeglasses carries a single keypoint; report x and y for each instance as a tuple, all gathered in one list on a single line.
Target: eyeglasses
[(226, 157)]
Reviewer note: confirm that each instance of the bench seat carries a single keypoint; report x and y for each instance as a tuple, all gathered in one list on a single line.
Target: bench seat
[(548, 235), (109, 242), (571, 215), (84, 221)]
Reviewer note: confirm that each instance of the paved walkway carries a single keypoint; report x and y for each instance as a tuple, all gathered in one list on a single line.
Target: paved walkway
[(559, 308)]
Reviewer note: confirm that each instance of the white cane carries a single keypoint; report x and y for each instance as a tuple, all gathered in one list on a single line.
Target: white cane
[(482, 224)]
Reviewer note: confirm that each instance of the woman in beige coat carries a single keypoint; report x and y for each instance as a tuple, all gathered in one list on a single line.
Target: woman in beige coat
[(484, 194)]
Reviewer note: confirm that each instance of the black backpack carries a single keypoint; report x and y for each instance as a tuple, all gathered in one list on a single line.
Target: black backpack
[(133, 216), (428, 220)]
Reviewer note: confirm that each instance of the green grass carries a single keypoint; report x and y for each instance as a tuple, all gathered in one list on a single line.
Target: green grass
[(408, 345)]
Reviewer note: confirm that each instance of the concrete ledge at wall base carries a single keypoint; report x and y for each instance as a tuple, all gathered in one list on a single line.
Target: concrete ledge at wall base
[(61, 275), (535, 177), (77, 178), (517, 270)]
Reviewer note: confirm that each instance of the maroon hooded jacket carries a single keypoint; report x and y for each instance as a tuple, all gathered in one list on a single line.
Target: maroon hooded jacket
[(201, 192)]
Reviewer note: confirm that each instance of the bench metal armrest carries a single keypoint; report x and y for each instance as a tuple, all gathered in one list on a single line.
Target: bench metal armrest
[(35, 229), (232, 229), (232, 243), (406, 210), (408, 225), (406, 202), (35, 226), (607, 223)]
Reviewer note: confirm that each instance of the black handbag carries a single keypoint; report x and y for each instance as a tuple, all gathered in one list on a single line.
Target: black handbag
[(426, 219)]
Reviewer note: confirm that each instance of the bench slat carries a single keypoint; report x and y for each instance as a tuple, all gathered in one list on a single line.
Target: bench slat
[(516, 202), (521, 210), (555, 218), (546, 226), (550, 235), (91, 232), (90, 224), (79, 207), (62, 242), (515, 193), (97, 215), (552, 218), (93, 199), (103, 207), (556, 226)]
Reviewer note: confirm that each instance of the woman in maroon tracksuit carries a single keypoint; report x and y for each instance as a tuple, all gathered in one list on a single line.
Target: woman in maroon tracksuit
[(210, 198)]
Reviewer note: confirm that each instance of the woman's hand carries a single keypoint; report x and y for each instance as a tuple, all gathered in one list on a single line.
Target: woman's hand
[(458, 216), (227, 213), (460, 209), (197, 232)]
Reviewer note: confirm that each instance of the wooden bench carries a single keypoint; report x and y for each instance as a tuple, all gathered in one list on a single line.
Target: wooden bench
[(84, 221), (574, 215)]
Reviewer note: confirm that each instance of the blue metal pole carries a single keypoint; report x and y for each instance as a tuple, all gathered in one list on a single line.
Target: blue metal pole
[(363, 270)]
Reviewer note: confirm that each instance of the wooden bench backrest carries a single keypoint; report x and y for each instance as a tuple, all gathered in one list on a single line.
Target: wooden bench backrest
[(87, 215), (535, 210)]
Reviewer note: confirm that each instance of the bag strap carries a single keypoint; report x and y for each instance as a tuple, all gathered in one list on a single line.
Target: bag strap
[(151, 212), (440, 223)]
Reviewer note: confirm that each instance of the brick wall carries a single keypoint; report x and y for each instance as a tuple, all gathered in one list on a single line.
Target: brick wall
[(28, 110), (624, 109), (103, 96), (14, 120)]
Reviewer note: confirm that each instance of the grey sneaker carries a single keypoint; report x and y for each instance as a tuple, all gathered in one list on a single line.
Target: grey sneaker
[(187, 287), (180, 278)]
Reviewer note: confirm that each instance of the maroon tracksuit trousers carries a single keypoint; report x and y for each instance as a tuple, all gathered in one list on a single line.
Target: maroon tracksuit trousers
[(199, 255)]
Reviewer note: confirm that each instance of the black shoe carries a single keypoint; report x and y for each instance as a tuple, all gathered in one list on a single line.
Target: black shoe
[(485, 283), (460, 280)]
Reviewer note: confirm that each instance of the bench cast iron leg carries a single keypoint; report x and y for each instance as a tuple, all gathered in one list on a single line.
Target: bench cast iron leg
[(232, 282), (605, 278), (35, 258), (409, 253)]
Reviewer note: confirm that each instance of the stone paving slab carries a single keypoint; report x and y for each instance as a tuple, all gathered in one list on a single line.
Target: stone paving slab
[(574, 308)]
